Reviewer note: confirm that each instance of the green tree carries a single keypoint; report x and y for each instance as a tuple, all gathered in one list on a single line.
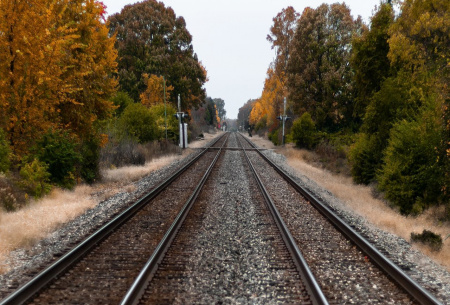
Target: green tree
[(59, 151), (158, 111), (151, 39), (303, 131), (121, 100), (137, 121), (320, 79), (412, 175), (369, 58)]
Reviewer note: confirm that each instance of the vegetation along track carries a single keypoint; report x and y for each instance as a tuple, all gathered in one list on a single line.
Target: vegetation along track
[(227, 249)]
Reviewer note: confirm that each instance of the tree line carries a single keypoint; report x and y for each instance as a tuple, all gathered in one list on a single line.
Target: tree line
[(74, 82), (377, 92)]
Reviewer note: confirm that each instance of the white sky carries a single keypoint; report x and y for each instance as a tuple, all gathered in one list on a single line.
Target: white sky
[(229, 37)]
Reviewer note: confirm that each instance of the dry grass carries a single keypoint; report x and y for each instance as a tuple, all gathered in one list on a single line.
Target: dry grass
[(360, 199), (134, 173), (22, 228)]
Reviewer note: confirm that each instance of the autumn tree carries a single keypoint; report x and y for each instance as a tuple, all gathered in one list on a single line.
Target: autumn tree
[(319, 74), (281, 35), (57, 62), (270, 104), (31, 48), (244, 114), (419, 48), (220, 105), (156, 92), (151, 39), (90, 62)]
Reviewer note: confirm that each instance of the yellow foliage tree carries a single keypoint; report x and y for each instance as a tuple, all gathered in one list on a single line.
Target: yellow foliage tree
[(270, 105), (56, 67), (217, 115), (90, 61), (154, 94), (31, 49)]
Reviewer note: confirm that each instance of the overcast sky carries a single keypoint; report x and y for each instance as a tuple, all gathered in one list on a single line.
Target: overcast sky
[(229, 37)]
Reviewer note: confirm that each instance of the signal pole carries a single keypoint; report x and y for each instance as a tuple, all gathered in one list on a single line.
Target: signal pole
[(283, 118)]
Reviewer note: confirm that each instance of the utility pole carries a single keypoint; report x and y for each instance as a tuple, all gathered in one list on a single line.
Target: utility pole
[(165, 107)]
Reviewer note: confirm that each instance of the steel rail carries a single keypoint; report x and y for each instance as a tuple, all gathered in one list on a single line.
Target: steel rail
[(40, 281), (416, 291), (314, 290), (139, 285)]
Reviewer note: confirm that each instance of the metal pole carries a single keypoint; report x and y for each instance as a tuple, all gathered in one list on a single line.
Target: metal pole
[(180, 122), (284, 120), (165, 108)]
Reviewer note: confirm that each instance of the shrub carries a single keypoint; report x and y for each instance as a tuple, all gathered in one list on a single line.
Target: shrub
[(121, 100), (124, 152), (433, 240), (412, 175), (261, 124), (304, 132), (59, 150), (90, 155), (159, 112), (138, 122), (273, 136), (364, 158), (35, 178), (4, 152)]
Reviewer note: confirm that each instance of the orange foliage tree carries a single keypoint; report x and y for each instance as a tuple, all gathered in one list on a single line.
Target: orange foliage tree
[(270, 105), (31, 48), (56, 67), (90, 61), (154, 94)]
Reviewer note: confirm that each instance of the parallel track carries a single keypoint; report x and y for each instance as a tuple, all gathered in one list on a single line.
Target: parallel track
[(416, 291)]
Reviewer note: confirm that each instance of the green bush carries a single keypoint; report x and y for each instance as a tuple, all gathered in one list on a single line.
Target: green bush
[(433, 240), (364, 157), (90, 155), (261, 124), (121, 100), (59, 150), (4, 153), (273, 136), (137, 121), (304, 132), (412, 175), (35, 178), (157, 111)]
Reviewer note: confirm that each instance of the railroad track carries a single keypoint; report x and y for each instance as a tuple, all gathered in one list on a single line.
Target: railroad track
[(214, 232)]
